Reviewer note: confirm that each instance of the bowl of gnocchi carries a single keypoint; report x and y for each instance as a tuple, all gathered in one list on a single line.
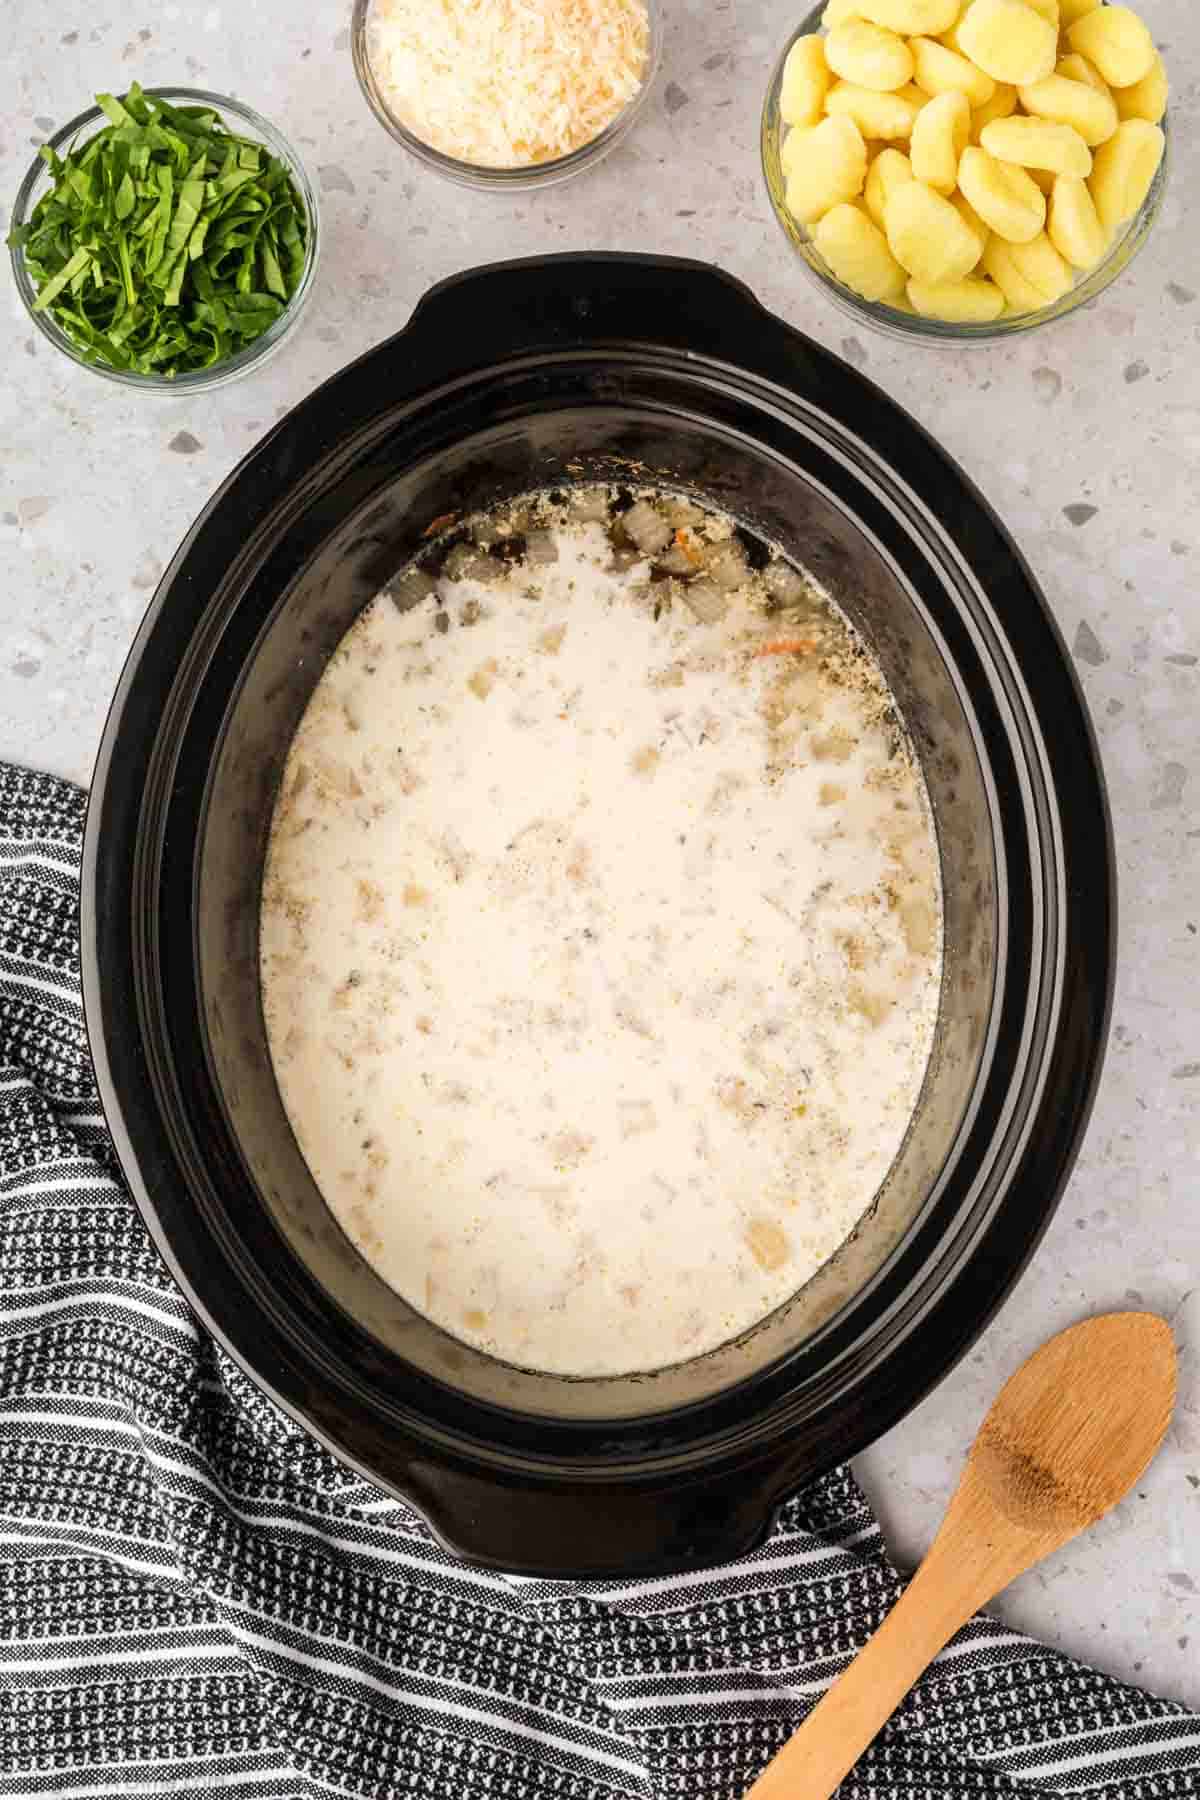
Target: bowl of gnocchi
[(958, 170)]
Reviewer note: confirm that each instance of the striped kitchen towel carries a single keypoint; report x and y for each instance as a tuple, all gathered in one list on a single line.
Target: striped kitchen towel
[(196, 1598)]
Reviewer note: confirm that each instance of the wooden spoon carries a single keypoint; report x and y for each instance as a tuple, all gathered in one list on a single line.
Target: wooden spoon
[(1066, 1438)]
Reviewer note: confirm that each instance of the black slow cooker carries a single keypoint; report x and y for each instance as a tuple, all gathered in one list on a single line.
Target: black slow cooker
[(521, 376)]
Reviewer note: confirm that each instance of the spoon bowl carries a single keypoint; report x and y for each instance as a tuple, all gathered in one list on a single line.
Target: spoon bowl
[(1072, 1430)]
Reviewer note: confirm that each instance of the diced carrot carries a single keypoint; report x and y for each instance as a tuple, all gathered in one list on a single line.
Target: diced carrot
[(787, 647), (683, 542), (438, 524)]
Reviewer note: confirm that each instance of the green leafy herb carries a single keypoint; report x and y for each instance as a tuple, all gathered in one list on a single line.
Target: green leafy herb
[(166, 243)]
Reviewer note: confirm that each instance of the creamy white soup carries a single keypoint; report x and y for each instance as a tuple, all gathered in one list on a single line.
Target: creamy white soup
[(601, 933)]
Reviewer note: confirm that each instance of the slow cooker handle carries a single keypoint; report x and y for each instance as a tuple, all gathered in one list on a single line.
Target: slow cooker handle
[(561, 302), (639, 1532)]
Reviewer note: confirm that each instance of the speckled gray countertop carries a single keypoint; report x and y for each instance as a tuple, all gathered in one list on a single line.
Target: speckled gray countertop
[(1086, 438)]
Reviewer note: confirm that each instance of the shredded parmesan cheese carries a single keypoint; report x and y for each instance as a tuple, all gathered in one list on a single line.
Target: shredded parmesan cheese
[(505, 83)]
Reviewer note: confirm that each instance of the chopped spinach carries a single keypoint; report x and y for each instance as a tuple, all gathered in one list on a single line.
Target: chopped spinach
[(167, 243)]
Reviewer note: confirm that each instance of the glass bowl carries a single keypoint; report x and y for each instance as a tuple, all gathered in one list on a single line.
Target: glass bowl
[(247, 123), (900, 323), (478, 175)]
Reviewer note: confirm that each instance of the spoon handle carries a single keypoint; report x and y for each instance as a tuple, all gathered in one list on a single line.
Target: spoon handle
[(941, 1597)]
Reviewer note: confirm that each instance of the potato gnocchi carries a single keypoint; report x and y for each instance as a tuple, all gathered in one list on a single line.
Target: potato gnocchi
[(858, 253), (1073, 224), (1038, 144), (1009, 40), (939, 137), (1089, 111), (970, 159), (1007, 199), (869, 55)]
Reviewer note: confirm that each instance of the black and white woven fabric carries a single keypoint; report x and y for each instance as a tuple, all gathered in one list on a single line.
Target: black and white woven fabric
[(195, 1598)]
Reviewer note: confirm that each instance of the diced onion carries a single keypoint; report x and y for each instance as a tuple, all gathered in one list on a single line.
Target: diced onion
[(589, 506), (784, 584), (647, 527), (540, 548), (726, 566), (706, 601), (411, 588), (466, 563)]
